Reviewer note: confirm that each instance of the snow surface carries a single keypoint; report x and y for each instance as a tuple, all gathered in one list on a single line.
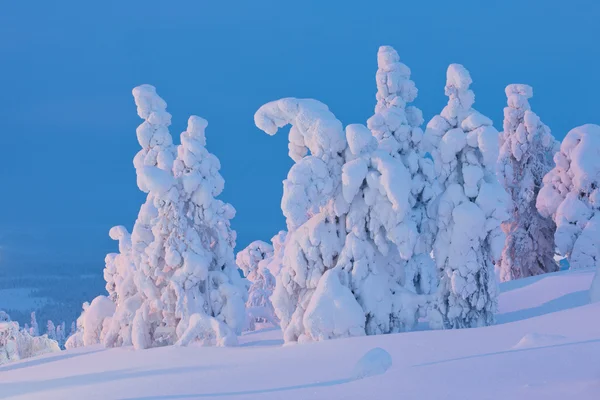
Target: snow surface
[(546, 345)]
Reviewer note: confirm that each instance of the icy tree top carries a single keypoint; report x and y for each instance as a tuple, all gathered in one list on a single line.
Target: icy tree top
[(395, 126), (393, 80), (311, 183), (198, 170), (314, 127), (521, 126), (154, 161), (461, 98)]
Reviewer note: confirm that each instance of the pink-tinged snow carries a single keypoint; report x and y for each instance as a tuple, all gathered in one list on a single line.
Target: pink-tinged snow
[(545, 346)]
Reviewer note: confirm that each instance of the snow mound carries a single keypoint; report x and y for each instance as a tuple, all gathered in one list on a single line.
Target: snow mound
[(538, 340), (375, 362)]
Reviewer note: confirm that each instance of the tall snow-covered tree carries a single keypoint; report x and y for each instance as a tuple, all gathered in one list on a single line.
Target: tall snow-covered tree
[(347, 210), (464, 146), (51, 330), (254, 261), (312, 204), (526, 153), (174, 279), (187, 276), (571, 196), (34, 330), (397, 128)]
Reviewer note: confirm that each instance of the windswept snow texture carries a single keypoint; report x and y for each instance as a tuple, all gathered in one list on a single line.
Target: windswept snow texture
[(549, 351)]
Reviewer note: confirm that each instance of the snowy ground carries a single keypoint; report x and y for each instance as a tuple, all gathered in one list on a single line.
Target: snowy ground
[(546, 346)]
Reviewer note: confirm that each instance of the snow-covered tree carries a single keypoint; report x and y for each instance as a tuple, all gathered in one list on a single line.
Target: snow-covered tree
[(464, 146), (526, 153), (60, 334), (571, 196), (350, 231), (51, 330), (397, 128), (174, 279), (120, 276), (34, 330), (187, 268), (312, 204), (253, 261), (92, 322)]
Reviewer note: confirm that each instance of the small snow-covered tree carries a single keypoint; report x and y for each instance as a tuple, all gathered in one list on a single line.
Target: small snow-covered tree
[(120, 275), (526, 152), (464, 146), (253, 261), (34, 329), (92, 323), (51, 330), (571, 196), (60, 334)]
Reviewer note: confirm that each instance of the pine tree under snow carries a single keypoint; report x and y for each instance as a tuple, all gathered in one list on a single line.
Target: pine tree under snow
[(174, 279), (34, 329), (186, 275), (356, 256), (526, 153), (254, 261), (571, 196), (464, 146), (397, 128), (51, 330)]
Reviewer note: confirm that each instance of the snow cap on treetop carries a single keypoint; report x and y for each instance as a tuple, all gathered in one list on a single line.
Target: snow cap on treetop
[(314, 127), (461, 98), (196, 127), (148, 102), (117, 232), (517, 95)]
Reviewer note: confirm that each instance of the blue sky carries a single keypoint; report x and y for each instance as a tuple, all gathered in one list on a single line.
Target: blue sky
[(68, 118)]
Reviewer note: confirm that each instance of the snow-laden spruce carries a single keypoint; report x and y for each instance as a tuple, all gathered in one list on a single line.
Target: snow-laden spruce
[(254, 261), (571, 196), (464, 146), (312, 204), (347, 209), (526, 153), (174, 280), (190, 284), (397, 128)]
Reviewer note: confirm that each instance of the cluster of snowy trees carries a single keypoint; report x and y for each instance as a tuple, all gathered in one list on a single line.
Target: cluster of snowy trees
[(387, 223), (17, 343)]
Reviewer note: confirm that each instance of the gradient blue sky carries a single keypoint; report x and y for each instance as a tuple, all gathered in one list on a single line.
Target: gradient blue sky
[(68, 119)]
